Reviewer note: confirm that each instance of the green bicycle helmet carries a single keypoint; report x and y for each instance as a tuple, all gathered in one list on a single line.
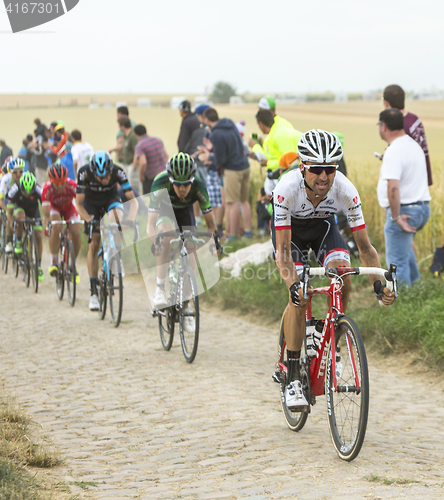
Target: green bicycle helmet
[(27, 183), (181, 167)]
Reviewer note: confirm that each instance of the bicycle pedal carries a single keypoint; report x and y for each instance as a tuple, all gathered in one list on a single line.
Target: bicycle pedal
[(276, 377)]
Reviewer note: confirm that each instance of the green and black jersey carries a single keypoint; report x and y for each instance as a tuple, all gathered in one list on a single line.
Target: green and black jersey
[(162, 192)]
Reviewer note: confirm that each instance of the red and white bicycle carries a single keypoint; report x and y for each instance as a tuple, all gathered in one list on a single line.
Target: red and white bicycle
[(333, 362)]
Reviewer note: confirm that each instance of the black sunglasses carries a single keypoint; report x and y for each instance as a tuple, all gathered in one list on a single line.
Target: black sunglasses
[(318, 169)]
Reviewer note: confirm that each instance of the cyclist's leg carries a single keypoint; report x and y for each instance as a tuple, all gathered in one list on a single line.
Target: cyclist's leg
[(164, 224), (10, 218), (54, 239), (20, 215), (71, 216)]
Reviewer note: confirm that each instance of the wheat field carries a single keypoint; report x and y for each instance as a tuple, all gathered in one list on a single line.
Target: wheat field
[(356, 120)]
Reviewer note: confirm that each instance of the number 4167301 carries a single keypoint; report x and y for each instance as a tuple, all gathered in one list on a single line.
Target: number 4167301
[(32, 7)]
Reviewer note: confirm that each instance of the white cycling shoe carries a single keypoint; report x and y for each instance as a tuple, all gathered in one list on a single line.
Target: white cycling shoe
[(294, 397), (9, 247), (189, 322), (94, 304), (159, 299)]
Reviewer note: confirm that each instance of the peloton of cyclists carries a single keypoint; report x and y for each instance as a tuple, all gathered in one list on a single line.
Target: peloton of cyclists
[(179, 187), (96, 196), (57, 203), (305, 201), (26, 196), (13, 170)]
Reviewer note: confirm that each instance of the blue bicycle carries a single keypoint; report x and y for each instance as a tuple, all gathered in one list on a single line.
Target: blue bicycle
[(111, 277)]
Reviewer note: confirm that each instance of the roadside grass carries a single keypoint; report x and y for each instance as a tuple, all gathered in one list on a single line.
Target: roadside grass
[(373, 478), (22, 451), (414, 324)]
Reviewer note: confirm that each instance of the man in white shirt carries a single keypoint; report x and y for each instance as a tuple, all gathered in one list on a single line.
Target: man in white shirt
[(403, 192), (81, 151)]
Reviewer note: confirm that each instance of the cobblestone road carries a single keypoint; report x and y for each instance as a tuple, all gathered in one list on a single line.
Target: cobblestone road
[(142, 423)]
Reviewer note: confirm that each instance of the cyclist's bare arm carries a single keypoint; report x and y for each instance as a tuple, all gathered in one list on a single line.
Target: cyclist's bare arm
[(3, 204), (369, 258), (80, 199), (46, 214), (209, 221), (134, 205), (284, 261)]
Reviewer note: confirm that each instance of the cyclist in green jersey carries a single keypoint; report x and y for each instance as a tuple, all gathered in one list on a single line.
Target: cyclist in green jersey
[(178, 187)]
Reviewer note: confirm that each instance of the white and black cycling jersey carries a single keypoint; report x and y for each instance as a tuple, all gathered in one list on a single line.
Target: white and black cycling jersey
[(6, 184), (292, 206)]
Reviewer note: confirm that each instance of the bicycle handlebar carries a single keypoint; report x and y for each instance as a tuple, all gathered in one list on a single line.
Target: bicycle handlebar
[(129, 223), (331, 272)]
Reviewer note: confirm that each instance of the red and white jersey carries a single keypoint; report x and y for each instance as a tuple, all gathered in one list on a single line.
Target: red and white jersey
[(290, 200), (59, 200)]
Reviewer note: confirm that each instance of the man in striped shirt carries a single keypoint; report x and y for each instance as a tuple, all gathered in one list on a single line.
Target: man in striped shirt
[(150, 157)]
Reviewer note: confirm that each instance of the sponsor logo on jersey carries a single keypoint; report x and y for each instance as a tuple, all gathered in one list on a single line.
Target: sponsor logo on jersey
[(303, 206), (280, 206), (280, 217), (329, 201), (280, 198), (354, 218), (355, 207), (355, 200)]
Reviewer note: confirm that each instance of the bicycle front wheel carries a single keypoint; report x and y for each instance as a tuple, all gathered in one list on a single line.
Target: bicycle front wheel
[(33, 261), (189, 314), (295, 419), (25, 258), (70, 272), (166, 327), (347, 408), (60, 278), (115, 289)]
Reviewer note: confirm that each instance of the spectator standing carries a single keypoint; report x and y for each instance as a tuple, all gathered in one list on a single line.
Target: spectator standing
[(150, 157), (190, 123), (404, 194), (39, 146), (81, 151), (229, 156), (280, 139), (129, 146), (6, 151), (269, 104), (122, 111), (394, 97), (27, 155)]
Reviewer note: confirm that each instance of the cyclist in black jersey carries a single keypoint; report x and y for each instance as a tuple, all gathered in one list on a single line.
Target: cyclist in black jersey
[(97, 184), (304, 204), (26, 197), (171, 207)]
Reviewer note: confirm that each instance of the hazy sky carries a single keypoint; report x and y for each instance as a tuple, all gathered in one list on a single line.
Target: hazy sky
[(173, 46)]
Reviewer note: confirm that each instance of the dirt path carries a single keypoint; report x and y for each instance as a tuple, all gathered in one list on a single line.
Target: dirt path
[(140, 422)]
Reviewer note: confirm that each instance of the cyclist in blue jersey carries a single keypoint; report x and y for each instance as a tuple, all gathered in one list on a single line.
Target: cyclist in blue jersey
[(97, 184)]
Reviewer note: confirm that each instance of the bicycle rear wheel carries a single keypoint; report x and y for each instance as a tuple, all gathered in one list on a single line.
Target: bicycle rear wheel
[(15, 265), (166, 327), (70, 272), (33, 260), (347, 408), (3, 244), (295, 419), (189, 314), (60, 278), (115, 288), (102, 295)]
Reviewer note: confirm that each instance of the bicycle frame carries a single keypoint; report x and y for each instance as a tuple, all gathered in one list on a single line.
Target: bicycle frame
[(318, 364)]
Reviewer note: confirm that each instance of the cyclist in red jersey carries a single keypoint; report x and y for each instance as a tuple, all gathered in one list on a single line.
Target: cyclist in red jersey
[(57, 203)]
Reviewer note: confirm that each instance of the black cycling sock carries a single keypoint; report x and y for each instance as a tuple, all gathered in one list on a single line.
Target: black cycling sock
[(220, 228), (293, 366), (93, 282)]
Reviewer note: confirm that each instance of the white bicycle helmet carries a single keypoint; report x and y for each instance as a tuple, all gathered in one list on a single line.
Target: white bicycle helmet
[(319, 146)]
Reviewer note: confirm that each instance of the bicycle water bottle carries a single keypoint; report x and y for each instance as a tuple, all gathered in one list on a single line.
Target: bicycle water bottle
[(309, 333)]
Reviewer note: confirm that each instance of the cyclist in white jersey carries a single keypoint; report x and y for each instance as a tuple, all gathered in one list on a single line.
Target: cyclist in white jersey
[(15, 170), (304, 204)]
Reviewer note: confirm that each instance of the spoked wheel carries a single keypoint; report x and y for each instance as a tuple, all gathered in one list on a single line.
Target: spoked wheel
[(4, 261), (26, 265), (295, 419), (348, 407), (189, 314), (70, 273), (115, 288), (166, 327), (33, 260), (60, 278), (15, 264), (3, 244), (102, 295)]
